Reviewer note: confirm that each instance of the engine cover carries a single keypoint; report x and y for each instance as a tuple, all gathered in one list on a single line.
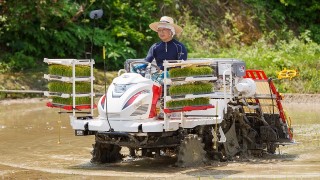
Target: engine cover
[(129, 96)]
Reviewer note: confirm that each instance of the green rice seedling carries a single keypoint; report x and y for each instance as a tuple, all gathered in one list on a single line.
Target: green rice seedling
[(61, 70), (190, 71), (60, 100), (55, 69), (68, 101), (203, 70), (83, 100), (191, 88), (83, 71), (200, 101), (173, 104), (179, 72), (81, 87), (187, 102), (62, 87)]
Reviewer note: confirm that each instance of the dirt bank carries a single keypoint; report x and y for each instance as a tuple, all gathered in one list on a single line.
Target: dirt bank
[(301, 98)]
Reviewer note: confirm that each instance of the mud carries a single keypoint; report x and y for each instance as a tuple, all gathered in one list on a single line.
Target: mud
[(38, 143)]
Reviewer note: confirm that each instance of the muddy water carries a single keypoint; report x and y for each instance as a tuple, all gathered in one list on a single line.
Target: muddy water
[(36, 142)]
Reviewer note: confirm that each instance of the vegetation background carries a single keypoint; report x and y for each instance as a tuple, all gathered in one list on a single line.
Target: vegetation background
[(269, 35)]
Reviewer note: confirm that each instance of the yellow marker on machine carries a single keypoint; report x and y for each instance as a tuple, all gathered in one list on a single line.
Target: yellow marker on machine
[(287, 73)]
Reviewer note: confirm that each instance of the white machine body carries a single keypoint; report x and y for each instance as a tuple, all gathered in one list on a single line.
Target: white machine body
[(129, 96), (247, 87), (132, 103)]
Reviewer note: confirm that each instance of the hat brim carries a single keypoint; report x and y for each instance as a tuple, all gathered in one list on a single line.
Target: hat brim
[(154, 27)]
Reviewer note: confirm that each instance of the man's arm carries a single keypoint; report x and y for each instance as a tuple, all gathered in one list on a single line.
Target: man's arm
[(150, 55), (183, 55)]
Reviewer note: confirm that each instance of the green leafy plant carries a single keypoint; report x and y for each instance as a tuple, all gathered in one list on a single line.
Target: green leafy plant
[(299, 54), (4, 67), (60, 29)]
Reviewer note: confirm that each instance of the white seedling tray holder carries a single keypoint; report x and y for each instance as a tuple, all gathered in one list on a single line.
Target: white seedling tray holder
[(73, 80)]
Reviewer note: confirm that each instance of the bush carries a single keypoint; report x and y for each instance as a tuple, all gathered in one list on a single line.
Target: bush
[(299, 53), (4, 67), (20, 61)]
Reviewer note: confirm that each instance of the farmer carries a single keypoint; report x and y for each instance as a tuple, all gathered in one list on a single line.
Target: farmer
[(168, 48)]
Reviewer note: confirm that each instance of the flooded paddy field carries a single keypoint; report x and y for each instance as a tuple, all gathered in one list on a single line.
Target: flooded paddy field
[(36, 142)]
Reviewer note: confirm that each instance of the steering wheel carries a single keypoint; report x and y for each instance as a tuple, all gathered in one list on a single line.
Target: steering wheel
[(141, 67)]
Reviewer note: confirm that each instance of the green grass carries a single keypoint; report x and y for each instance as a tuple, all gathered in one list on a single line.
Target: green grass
[(190, 71), (187, 102), (298, 53), (191, 88), (68, 101), (81, 87), (61, 70)]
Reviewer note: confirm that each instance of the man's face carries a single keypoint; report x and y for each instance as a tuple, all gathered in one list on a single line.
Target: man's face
[(164, 34)]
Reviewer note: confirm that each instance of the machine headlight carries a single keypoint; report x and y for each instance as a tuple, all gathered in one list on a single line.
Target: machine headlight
[(119, 89)]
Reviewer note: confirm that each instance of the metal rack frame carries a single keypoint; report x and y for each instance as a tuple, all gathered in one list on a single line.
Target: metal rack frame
[(73, 63)]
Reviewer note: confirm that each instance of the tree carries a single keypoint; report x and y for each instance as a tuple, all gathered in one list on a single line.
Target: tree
[(32, 30)]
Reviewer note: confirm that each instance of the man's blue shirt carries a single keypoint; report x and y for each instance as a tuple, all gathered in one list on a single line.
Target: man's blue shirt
[(171, 50)]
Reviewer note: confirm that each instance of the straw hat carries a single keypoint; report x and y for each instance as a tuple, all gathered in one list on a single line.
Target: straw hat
[(166, 20)]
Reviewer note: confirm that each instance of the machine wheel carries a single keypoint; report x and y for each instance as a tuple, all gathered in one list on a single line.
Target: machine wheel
[(132, 152), (208, 140), (231, 146), (146, 152), (191, 152), (105, 153), (271, 148), (150, 152)]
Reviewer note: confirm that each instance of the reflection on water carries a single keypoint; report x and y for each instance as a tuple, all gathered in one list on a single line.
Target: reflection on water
[(31, 118), (29, 135)]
